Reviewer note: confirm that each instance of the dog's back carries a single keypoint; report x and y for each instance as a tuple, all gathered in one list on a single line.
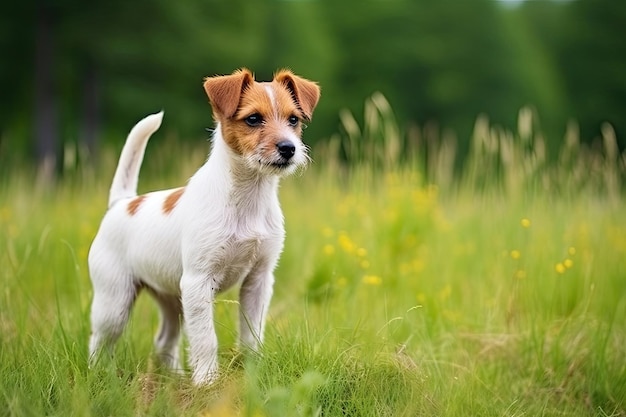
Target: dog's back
[(143, 240)]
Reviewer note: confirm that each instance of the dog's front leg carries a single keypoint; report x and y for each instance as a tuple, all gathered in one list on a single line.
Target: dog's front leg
[(198, 293), (254, 298)]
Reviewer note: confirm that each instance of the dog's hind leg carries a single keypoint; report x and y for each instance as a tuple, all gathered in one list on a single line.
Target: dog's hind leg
[(110, 310), (167, 339)]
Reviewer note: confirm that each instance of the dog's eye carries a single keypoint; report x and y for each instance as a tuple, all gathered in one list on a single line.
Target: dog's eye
[(293, 121), (254, 120)]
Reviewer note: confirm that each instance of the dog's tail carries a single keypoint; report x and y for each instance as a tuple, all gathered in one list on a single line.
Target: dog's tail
[(127, 172)]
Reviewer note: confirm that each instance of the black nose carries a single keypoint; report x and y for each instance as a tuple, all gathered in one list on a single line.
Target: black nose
[(286, 148)]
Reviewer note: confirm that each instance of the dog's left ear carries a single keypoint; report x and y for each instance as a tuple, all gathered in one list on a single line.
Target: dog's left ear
[(306, 93), (225, 92)]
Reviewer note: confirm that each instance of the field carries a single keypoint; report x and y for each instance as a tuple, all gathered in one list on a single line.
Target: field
[(403, 290)]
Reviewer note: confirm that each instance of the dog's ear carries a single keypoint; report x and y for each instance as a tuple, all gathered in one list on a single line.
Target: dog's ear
[(225, 91), (306, 93)]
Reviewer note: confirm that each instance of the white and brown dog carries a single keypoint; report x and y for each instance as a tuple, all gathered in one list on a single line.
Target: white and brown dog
[(225, 227)]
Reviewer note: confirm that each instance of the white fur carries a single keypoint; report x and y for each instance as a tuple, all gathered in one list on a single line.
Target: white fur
[(226, 229), (270, 93)]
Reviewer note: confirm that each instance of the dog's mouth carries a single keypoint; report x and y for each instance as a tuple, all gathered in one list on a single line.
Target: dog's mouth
[(280, 164), (277, 165), (280, 167)]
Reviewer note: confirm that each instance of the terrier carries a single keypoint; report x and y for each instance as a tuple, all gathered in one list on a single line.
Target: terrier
[(225, 227)]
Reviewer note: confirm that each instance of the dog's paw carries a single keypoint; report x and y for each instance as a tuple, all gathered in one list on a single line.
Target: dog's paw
[(205, 377)]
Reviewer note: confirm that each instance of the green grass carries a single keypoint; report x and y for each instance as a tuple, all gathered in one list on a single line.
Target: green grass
[(401, 291)]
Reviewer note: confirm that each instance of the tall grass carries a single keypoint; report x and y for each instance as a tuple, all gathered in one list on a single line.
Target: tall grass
[(409, 285)]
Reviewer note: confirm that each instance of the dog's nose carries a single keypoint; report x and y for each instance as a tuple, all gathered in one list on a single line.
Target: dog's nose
[(286, 148)]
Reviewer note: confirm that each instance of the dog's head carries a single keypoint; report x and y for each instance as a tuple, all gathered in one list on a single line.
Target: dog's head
[(262, 122)]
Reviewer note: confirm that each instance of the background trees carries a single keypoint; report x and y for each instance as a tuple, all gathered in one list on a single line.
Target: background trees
[(85, 72)]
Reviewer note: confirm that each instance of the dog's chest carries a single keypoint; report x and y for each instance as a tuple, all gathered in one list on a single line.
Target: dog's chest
[(240, 254), (235, 259), (238, 232)]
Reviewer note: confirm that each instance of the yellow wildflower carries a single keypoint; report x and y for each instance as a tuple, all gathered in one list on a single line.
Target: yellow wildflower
[(329, 249), (418, 265), (525, 223), (372, 280), (515, 254), (346, 243), (568, 263), (559, 268)]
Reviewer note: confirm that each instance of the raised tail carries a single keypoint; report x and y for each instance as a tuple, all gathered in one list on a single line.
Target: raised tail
[(127, 172)]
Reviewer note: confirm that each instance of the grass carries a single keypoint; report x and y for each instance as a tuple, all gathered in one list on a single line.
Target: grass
[(403, 290)]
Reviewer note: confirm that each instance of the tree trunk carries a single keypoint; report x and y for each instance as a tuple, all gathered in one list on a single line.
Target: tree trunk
[(90, 128), (46, 132)]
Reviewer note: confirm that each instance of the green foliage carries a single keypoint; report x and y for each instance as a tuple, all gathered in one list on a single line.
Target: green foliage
[(589, 45), (440, 64), (401, 291)]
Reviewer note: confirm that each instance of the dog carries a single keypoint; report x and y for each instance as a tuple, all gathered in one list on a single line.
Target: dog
[(225, 227)]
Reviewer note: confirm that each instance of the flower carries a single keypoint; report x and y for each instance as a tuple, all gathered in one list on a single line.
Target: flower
[(525, 223), (346, 243), (559, 268), (515, 254), (372, 280)]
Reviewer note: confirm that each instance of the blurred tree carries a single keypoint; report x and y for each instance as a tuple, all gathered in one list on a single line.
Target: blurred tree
[(535, 32), (108, 64), (592, 59), (443, 62), (46, 134), (583, 40), (17, 38), (76, 71)]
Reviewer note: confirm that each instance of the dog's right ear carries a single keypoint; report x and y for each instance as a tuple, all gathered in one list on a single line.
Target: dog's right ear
[(225, 91)]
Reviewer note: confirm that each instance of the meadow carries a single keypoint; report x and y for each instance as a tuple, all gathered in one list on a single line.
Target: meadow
[(408, 285)]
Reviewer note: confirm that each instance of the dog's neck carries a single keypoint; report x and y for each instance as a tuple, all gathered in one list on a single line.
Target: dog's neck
[(244, 185)]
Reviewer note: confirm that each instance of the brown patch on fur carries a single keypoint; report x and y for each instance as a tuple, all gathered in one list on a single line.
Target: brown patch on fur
[(306, 93), (244, 139), (172, 199), (134, 204), (225, 91)]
